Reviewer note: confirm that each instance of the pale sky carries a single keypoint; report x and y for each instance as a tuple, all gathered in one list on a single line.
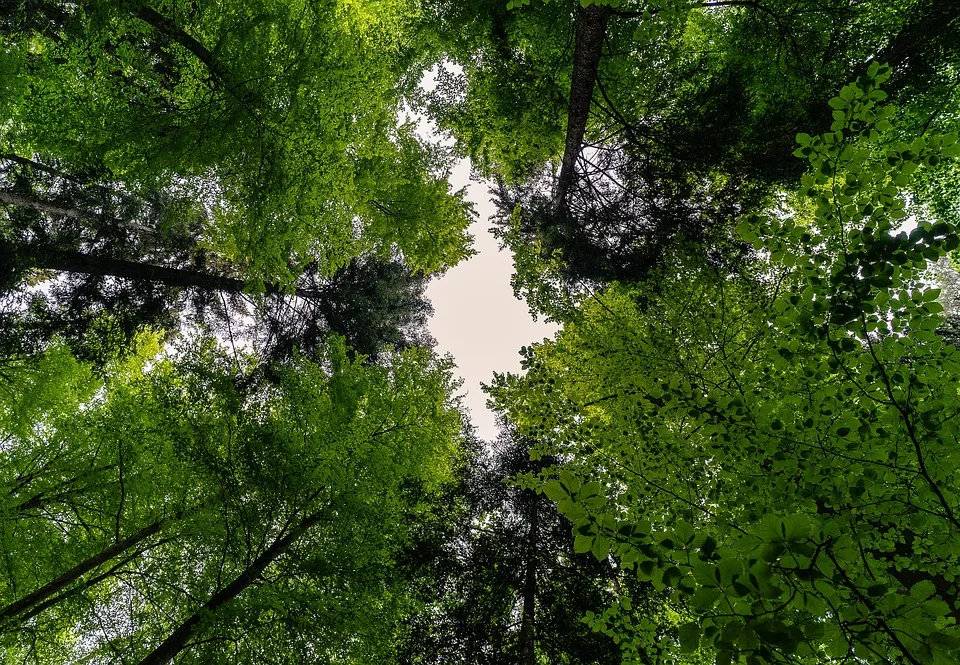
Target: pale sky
[(477, 319)]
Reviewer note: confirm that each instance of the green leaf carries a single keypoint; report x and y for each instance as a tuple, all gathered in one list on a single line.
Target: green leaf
[(689, 634), (582, 544), (569, 481), (684, 532), (555, 491), (672, 576), (645, 570), (589, 491), (922, 590), (600, 548), (705, 598)]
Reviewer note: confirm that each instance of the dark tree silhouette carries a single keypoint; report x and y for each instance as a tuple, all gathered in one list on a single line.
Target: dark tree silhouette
[(113, 262), (507, 588)]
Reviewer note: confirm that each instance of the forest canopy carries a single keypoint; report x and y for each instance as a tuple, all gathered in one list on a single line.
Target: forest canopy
[(226, 437)]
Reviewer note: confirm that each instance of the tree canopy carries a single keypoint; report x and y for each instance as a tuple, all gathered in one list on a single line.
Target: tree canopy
[(222, 518), (224, 435), (776, 449), (291, 145), (623, 129)]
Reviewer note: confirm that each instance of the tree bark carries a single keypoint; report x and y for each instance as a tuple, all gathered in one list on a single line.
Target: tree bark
[(588, 44), (49, 258), (78, 571), (87, 583), (37, 166), (178, 640)]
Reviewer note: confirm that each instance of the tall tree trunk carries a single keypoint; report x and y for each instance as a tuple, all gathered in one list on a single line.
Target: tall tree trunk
[(41, 205), (178, 639), (58, 209), (37, 166), (78, 571), (172, 31), (86, 182), (220, 74), (528, 617), (49, 258), (588, 44), (116, 565)]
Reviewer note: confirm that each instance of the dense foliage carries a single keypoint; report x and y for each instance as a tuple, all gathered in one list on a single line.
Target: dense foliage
[(291, 142), (224, 437), (682, 116), (789, 469), (506, 585), (189, 506)]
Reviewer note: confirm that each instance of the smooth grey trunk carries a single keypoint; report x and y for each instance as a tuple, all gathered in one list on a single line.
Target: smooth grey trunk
[(57, 209), (41, 205)]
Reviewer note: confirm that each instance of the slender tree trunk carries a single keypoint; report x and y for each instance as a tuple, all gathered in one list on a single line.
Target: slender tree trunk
[(528, 618), (171, 30), (41, 205), (40, 500), (88, 183), (78, 571), (37, 166), (58, 209), (179, 638), (60, 490), (70, 261), (220, 74), (588, 44), (89, 582)]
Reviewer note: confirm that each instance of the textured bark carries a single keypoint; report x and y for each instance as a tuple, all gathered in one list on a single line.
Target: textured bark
[(58, 209), (179, 638), (73, 590), (588, 44), (37, 166)]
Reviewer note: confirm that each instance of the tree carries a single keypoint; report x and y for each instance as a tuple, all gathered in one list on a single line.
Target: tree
[(679, 116), (188, 510), (776, 451), (506, 586), (123, 261), (373, 304), (292, 144)]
